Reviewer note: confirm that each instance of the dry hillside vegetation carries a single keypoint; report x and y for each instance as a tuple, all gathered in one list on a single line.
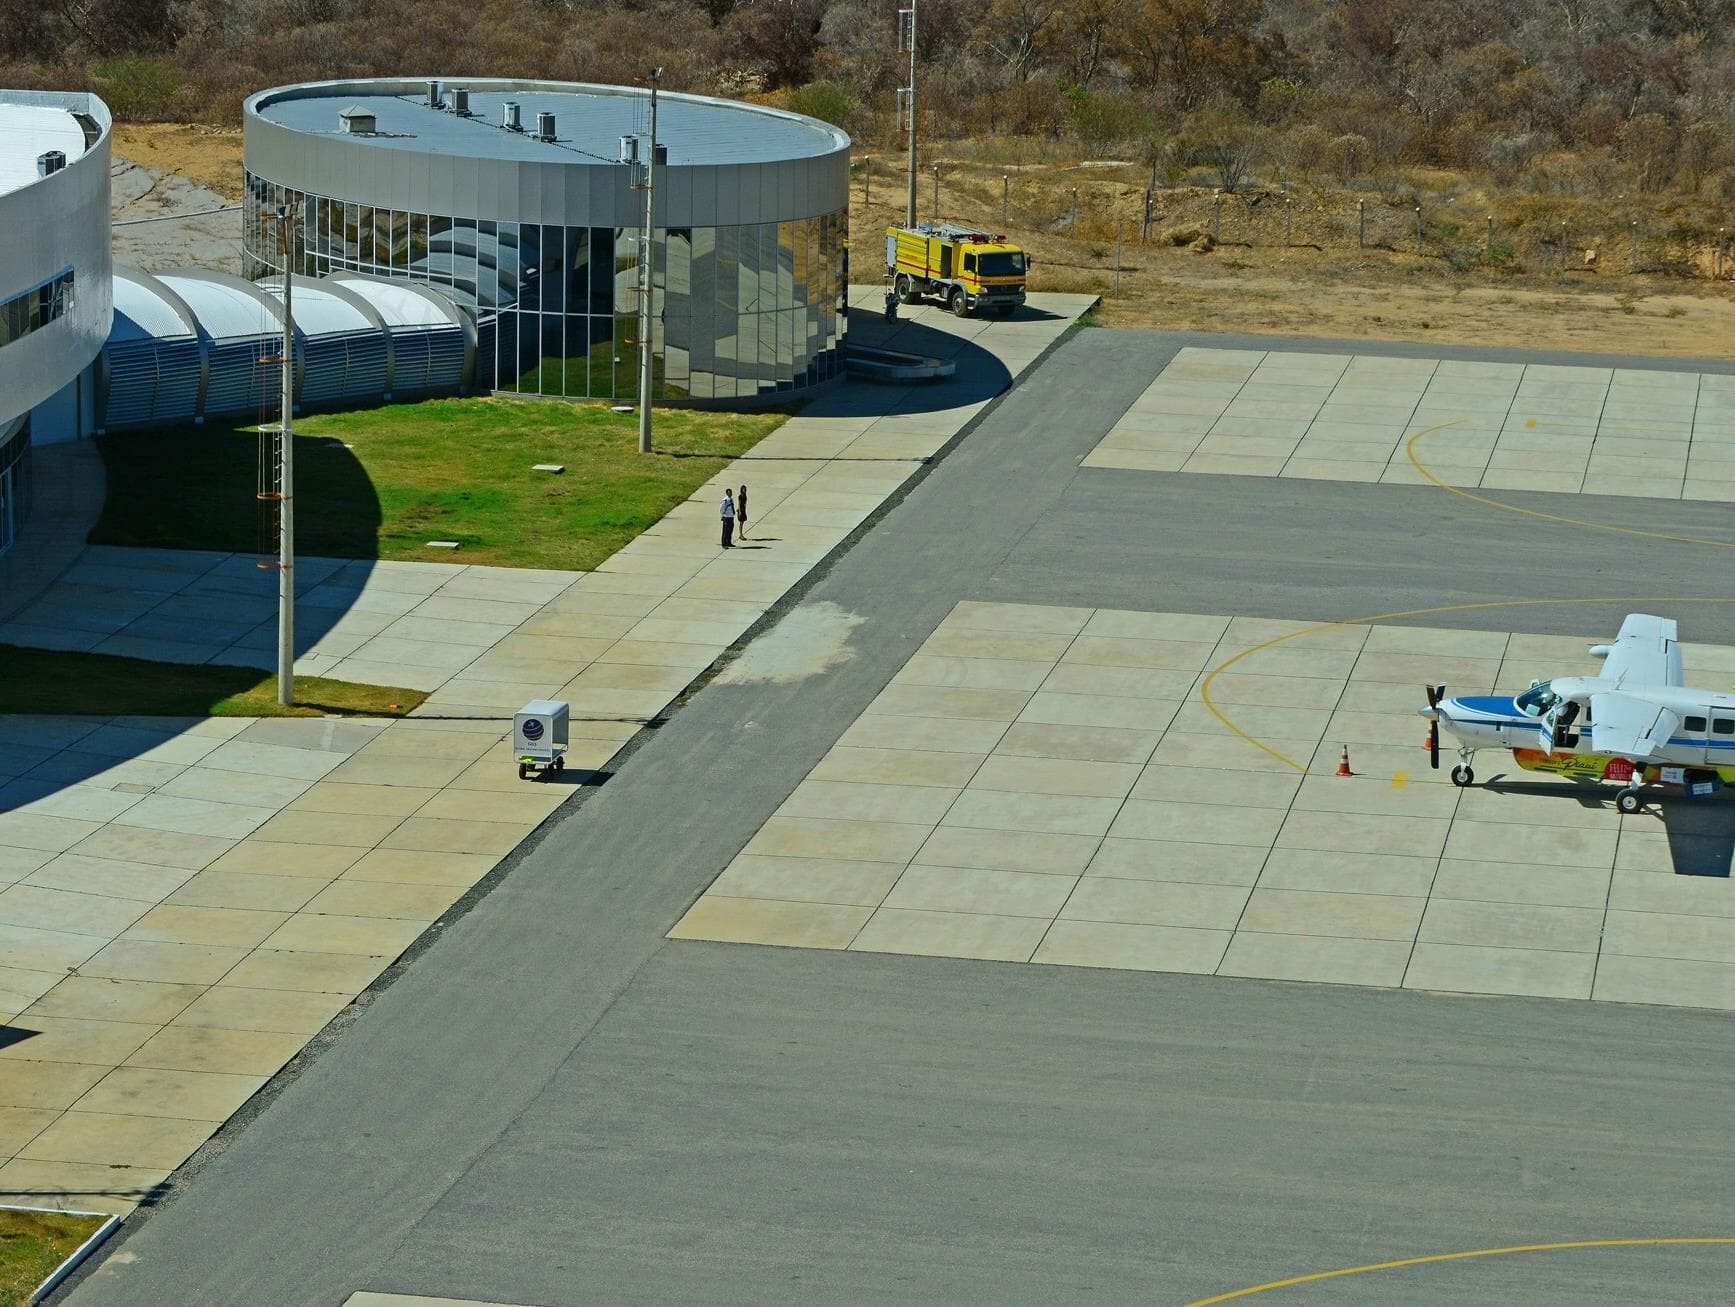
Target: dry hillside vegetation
[(1595, 132)]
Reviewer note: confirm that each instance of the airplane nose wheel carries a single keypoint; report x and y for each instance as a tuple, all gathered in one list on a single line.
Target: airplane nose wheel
[(1628, 801), (1462, 775)]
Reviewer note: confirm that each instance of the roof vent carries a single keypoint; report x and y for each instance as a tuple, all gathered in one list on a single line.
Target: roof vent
[(629, 149), (355, 120), (461, 101), (545, 127), (509, 118), (433, 94), (50, 161)]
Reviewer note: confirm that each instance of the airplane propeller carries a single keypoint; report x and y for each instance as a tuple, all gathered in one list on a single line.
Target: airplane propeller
[(1435, 693)]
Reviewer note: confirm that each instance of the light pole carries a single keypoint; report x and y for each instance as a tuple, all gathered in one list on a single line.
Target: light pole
[(936, 216), (907, 34), (647, 277), (286, 476)]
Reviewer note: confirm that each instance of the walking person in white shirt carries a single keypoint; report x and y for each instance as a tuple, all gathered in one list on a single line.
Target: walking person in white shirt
[(728, 513)]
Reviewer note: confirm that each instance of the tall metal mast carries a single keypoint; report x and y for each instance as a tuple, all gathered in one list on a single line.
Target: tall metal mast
[(647, 276), (907, 41), (286, 481)]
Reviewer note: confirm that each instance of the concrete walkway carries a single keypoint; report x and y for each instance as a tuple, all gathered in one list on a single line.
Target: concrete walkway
[(159, 976)]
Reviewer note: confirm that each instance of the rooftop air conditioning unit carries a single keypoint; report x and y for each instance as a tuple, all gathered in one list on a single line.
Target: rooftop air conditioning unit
[(629, 149), (461, 101), (50, 161), (433, 94), (662, 159), (509, 118), (355, 120), (545, 127)]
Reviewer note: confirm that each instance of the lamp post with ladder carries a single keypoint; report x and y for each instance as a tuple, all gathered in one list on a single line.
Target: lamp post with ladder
[(647, 274), (907, 44), (277, 482)]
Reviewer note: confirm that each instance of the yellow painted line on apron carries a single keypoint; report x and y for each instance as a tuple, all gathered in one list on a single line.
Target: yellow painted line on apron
[(1455, 1257), (1410, 450), (1215, 672), (1400, 779)]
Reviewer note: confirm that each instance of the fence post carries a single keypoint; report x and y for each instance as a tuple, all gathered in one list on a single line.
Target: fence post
[(1145, 219), (1117, 256), (1418, 229), (1633, 247), (1361, 223), (1005, 199), (1718, 265), (1490, 246), (1073, 229), (1563, 246), (936, 192), (1217, 216), (867, 181), (1288, 221)]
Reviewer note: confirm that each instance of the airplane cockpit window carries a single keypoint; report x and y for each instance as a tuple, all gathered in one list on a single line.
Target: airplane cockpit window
[(1537, 700)]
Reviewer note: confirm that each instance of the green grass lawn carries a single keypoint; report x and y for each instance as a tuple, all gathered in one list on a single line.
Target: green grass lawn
[(448, 469), (32, 1244), (52, 681)]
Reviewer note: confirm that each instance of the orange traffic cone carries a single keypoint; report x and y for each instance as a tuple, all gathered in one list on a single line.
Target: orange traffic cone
[(1343, 763)]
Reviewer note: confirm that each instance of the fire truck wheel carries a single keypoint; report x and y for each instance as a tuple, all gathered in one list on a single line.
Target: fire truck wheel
[(960, 305), (903, 289)]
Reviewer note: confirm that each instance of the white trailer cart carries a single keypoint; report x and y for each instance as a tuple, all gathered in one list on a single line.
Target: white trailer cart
[(539, 734)]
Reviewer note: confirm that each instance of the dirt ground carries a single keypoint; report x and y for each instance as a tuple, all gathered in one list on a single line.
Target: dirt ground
[(209, 156), (1300, 271), (1256, 281)]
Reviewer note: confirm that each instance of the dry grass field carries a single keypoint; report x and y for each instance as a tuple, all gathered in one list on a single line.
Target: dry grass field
[(1297, 268), (1279, 269)]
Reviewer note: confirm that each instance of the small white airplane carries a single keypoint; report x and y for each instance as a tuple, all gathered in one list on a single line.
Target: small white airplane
[(1635, 724)]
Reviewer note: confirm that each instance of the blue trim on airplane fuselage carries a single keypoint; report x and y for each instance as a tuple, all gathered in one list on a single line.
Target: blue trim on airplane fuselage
[(1502, 707)]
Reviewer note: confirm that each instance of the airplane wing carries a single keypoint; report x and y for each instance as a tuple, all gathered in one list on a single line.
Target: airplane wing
[(1646, 652), (1630, 726)]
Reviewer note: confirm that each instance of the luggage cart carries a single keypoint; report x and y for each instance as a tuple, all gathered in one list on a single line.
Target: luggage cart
[(539, 735)]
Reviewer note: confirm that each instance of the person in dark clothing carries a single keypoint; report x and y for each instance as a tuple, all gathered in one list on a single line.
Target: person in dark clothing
[(741, 512), (728, 514)]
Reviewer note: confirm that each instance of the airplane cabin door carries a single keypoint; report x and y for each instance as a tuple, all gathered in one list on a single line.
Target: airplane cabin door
[(1720, 741)]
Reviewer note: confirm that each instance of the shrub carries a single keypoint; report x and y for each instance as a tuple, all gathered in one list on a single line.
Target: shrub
[(137, 88), (828, 101)]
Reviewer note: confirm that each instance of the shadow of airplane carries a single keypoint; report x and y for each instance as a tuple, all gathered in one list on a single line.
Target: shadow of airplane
[(1701, 832)]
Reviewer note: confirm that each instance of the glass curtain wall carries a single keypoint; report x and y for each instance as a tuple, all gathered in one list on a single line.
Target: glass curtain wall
[(736, 312)]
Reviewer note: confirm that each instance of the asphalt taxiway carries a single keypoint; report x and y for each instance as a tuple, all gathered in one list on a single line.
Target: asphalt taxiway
[(553, 1103)]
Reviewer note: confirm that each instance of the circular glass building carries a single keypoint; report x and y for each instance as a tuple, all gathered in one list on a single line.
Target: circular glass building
[(524, 202)]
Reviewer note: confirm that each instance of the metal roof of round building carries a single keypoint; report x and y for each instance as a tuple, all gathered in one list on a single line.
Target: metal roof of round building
[(395, 114), (29, 130)]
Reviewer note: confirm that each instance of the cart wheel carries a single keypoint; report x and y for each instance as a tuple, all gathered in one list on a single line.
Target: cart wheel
[(523, 771), (560, 764)]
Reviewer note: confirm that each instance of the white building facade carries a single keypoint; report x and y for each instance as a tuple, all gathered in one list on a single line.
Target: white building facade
[(56, 297)]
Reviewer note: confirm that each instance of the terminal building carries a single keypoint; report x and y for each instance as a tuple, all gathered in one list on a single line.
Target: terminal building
[(55, 297), (523, 201)]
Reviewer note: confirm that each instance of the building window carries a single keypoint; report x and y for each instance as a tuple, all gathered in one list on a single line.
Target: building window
[(36, 308), (737, 311)]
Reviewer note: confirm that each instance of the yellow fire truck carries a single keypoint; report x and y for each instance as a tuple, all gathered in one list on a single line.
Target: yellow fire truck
[(963, 268)]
